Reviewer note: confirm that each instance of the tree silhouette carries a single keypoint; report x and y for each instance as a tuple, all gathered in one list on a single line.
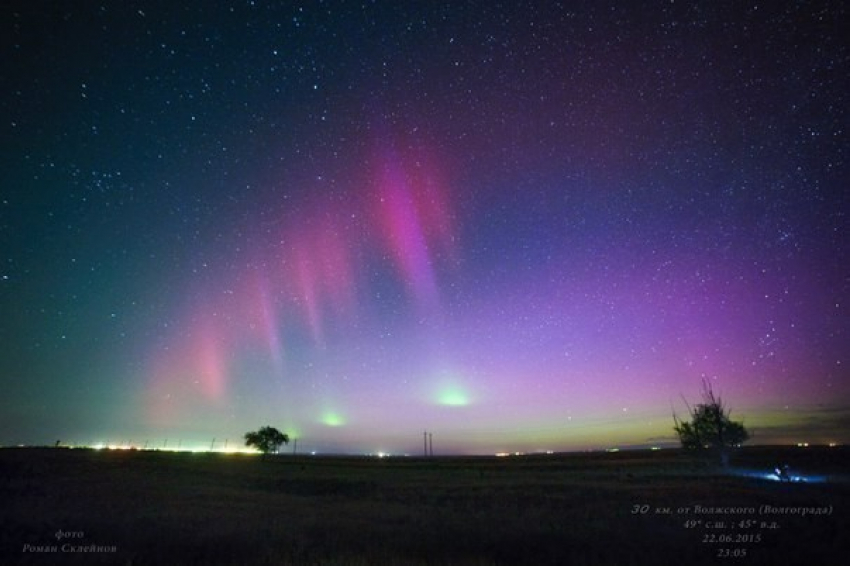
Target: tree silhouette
[(710, 426), (267, 439)]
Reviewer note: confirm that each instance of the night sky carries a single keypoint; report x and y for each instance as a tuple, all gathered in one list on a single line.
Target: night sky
[(520, 226)]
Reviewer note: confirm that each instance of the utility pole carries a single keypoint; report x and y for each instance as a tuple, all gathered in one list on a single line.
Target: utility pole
[(430, 444), (212, 444), (294, 446), (425, 442), (225, 444)]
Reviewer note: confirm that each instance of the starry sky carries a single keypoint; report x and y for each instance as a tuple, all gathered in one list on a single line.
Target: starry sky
[(519, 226)]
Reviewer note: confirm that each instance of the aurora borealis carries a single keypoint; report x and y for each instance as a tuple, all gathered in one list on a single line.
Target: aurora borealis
[(530, 226)]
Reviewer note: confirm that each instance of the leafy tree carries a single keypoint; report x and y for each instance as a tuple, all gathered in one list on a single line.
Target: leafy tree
[(710, 426), (267, 439)]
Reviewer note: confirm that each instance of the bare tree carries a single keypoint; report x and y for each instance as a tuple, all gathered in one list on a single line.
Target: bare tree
[(710, 426)]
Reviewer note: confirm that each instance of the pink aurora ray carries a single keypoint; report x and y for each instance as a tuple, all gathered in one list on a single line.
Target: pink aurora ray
[(268, 321), (414, 220), (312, 271), (317, 270), (194, 366)]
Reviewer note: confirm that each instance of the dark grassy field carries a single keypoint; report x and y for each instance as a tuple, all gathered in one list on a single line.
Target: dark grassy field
[(124, 507)]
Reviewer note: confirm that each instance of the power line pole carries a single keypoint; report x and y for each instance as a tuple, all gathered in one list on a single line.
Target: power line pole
[(425, 442), (430, 444), (294, 446), (212, 444)]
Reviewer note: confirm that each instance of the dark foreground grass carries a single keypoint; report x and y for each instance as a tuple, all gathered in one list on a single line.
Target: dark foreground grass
[(583, 509)]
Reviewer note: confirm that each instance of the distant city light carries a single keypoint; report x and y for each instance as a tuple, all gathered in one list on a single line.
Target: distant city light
[(194, 449)]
